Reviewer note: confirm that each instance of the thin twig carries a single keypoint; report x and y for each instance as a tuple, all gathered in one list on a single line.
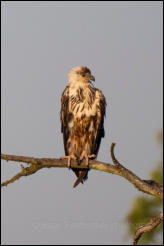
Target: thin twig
[(154, 222)]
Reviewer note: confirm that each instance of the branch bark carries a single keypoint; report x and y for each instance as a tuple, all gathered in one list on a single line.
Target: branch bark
[(36, 164)]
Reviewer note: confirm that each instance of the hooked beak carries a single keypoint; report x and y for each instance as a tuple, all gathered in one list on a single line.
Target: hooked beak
[(92, 78)]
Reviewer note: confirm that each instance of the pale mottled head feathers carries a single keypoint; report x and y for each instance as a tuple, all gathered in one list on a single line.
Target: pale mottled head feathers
[(80, 74)]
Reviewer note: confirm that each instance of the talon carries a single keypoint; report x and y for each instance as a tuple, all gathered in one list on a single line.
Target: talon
[(69, 157), (92, 156), (87, 157)]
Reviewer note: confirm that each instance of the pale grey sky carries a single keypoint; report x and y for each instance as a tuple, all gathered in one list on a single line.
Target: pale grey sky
[(121, 42)]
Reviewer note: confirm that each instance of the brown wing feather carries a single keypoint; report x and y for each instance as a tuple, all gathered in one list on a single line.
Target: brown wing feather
[(99, 123), (64, 117)]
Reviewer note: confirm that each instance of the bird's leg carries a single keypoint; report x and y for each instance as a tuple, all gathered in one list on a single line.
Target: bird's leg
[(87, 157), (69, 157)]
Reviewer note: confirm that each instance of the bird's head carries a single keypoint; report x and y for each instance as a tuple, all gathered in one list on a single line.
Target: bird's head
[(80, 74)]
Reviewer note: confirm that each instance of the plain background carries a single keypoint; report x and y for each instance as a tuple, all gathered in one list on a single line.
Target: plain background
[(121, 42)]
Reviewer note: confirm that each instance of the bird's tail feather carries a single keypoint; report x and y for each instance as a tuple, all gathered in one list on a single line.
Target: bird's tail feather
[(81, 176)]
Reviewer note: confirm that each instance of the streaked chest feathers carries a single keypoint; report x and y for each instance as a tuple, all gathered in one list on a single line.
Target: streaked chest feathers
[(83, 101)]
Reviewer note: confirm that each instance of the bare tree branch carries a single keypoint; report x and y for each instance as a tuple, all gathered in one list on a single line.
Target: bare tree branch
[(154, 222), (148, 186), (38, 163)]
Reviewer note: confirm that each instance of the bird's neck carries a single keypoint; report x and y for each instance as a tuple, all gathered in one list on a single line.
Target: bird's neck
[(74, 84)]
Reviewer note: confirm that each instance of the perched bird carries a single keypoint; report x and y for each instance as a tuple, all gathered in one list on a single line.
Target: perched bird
[(82, 119)]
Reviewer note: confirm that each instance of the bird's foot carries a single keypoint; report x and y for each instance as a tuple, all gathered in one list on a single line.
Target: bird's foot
[(69, 157), (87, 157)]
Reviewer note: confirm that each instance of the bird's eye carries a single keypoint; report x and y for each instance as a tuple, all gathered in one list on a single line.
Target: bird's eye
[(83, 75)]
